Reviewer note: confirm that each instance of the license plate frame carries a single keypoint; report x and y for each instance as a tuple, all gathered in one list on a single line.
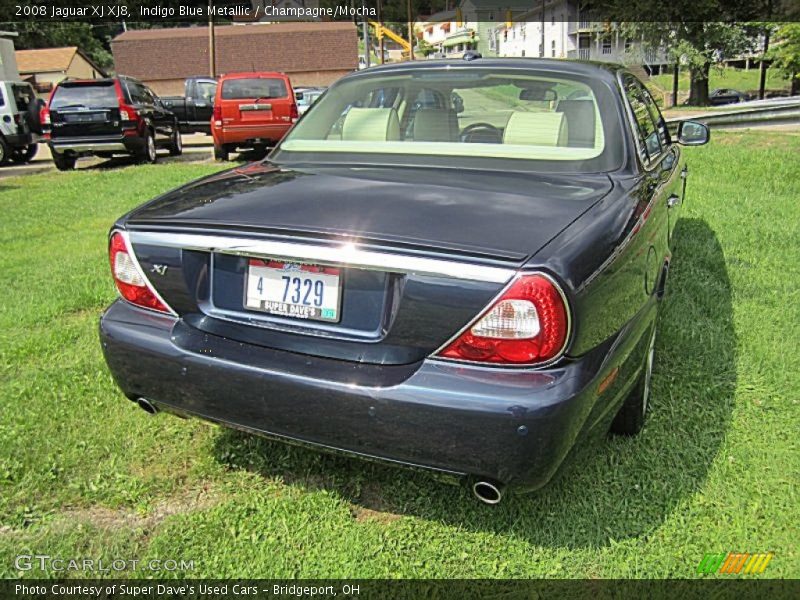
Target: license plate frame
[(275, 271)]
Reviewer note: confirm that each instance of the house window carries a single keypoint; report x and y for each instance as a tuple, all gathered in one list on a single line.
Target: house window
[(523, 53), (541, 50), (553, 48), (628, 44), (606, 48), (505, 35)]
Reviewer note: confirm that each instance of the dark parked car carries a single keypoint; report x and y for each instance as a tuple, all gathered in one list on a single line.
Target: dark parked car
[(722, 96), (473, 292), (108, 117), (194, 109)]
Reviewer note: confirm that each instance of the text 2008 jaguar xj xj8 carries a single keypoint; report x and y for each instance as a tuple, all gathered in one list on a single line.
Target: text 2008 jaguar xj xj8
[(454, 265)]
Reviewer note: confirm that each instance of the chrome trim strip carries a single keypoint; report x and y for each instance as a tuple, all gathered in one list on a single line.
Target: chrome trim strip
[(89, 146), (434, 355), (126, 238), (347, 255)]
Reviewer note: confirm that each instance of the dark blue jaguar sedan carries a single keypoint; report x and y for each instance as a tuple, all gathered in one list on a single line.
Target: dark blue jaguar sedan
[(454, 265)]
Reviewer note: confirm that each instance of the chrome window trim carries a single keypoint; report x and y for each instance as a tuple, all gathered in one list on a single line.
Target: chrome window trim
[(346, 255)]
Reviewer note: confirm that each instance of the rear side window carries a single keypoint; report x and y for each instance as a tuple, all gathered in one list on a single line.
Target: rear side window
[(92, 95), (648, 138), (249, 89), (206, 91)]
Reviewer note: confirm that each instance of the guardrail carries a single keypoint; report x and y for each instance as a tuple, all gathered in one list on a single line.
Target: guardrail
[(776, 111)]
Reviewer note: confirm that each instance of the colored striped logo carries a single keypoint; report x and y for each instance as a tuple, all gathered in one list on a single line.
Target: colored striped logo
[(735, 562)]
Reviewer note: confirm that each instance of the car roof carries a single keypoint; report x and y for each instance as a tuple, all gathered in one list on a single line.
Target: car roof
[(598, 70), (253, 74)]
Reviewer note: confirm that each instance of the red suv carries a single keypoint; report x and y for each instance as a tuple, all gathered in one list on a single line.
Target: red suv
[(251, 110)]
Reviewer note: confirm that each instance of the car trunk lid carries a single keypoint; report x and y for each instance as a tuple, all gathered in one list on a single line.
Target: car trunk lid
[(413, 264)]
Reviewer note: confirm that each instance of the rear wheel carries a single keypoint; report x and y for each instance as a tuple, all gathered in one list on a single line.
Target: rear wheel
[(630, 418), (4, 150), (176, 146), (221, 152), (24, 154), (64, 162), (148, 153)]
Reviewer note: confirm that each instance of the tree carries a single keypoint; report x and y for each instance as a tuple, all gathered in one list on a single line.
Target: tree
[(696, 33), (696, 45), (785, 53)]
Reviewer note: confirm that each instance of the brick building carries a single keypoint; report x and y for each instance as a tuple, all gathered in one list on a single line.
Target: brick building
[(309, 53)]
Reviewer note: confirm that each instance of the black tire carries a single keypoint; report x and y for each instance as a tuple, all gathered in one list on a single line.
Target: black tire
[(4, 151), (148, 154), (176, 146), (64, 162), (24, 154), (631, 416), (221, 153)]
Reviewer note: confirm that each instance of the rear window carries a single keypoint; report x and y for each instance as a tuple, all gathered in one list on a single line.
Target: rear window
[(455, 117), (93, 95), (23, 95), (250, 89)]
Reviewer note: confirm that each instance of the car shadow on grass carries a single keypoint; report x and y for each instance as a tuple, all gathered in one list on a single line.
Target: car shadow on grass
[(611, 488)]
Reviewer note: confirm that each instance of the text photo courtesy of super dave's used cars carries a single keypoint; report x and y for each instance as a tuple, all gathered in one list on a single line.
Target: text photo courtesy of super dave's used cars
[(393, 282)]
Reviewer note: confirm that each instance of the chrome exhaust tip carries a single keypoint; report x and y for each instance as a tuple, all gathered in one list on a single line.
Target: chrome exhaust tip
[(147, 406), (487, 492)]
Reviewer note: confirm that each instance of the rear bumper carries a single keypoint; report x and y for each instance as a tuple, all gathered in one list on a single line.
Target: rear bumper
[(511, 426), (20, 140), (248, 135), (121, 144)]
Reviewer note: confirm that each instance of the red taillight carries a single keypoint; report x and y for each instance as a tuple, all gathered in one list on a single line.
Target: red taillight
[(131, 282), (293, 112), (217, 114), (44, 116), (130, 118), (527, 324)]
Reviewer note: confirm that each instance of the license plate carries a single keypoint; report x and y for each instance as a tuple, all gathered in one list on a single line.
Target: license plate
[(293, 290)]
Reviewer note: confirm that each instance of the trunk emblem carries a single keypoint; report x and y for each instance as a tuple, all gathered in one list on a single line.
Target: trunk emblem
[(160, 269)]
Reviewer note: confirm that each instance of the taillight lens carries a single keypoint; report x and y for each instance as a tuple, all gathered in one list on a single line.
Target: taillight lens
[(293, 112), (44, 116), (128, 113), (528, 324), (217, 114), (131, 282)]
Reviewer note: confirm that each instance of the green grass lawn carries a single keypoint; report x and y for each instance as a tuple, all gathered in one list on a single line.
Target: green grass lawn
[(85, 473), (737, 79)]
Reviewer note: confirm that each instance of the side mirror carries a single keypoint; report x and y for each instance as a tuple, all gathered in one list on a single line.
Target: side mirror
[(298, 95), (692, 133)]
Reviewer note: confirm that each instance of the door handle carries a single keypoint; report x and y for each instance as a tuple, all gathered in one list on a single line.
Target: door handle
[(673, 200)]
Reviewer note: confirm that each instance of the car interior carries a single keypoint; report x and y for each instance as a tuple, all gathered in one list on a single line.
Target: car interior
[(532, 112)]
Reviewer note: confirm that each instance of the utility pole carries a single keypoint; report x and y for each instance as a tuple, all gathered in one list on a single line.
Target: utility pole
[(541, 51), (410, 31), (380, 35), (212, 53), (762, 81), (365, 26), (675, 75)]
